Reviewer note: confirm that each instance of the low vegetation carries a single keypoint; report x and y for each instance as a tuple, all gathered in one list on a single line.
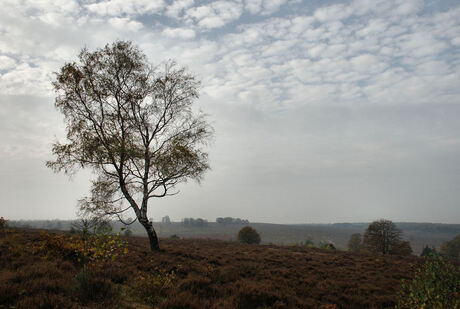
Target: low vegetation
[(61, 270), (248, 235), (436, 285)]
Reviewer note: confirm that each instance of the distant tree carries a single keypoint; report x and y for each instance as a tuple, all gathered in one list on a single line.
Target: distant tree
[(248, 235), (128, 233), (307, 243), (166, 220), (355, 242), (186, 221), (3, 223), (429, 251), (91, 225), (199, 222), (230, 220), (451, 249), (382, 236), (133, 125), (402, 248), (326, 245)]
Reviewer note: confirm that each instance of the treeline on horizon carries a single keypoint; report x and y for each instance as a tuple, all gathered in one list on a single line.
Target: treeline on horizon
[(62, 224), (58, 224)]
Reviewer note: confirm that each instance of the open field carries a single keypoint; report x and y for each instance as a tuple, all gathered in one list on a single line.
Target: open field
[(42, 270)]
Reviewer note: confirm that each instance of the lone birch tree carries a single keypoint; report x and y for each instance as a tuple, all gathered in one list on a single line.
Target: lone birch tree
[(132, 124)]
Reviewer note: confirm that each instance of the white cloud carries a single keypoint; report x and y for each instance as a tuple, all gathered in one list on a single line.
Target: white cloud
[(183, 33), (177, 7), (333, 12), (125, 24), (215, 14), (253, 6), (6, 63), (407, 7), (25, 79), (271, 6), (264, 7), (367, 64), (129, 7)]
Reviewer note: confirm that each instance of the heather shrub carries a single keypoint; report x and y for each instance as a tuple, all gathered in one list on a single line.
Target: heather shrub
[(436, 285), (248, 235), (95, 249), (152, 286), (89, 286)]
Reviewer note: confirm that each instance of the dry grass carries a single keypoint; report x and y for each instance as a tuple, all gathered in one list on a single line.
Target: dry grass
[(197, 274)]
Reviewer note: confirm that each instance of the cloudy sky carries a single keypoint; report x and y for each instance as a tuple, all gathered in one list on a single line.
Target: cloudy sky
[(324, 111)]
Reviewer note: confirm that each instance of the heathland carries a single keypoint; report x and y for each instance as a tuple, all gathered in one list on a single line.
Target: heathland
[(418, 234), (61, 270)]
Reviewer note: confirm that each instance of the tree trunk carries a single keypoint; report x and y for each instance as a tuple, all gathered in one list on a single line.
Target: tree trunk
[(153, 238)]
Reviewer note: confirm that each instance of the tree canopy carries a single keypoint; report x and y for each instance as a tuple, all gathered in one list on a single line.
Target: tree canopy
[(248, 235), (451, 248), (132, 124), (384, 237)]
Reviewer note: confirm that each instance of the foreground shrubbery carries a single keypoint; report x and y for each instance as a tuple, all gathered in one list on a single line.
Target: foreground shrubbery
[(436, 285)]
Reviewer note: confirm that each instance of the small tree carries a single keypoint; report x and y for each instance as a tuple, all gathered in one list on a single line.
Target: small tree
[(382, 236), (429, 251), (436, 284), (326, 245), (451, 248), (307, 243), (91, 225), (248, 235), (3, 223), (166, 220), (402, 248), (132, 124), (355, 242)]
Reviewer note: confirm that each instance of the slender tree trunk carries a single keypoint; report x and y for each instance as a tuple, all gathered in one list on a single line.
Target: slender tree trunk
[(153, 238)]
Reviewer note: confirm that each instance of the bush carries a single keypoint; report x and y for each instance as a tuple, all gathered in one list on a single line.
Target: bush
[(88, 287), (3, 226), (3, 223), (451, 249), (436, 285), (355, 243), (307, 243), (248, 235), (429, 251), (326, 245), (93, 249), (152, 286)]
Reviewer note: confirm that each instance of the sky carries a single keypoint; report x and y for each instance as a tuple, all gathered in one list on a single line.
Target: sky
[(323, 111)]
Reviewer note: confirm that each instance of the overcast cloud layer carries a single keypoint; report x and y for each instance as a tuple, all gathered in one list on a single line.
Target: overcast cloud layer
[(324, 111)]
